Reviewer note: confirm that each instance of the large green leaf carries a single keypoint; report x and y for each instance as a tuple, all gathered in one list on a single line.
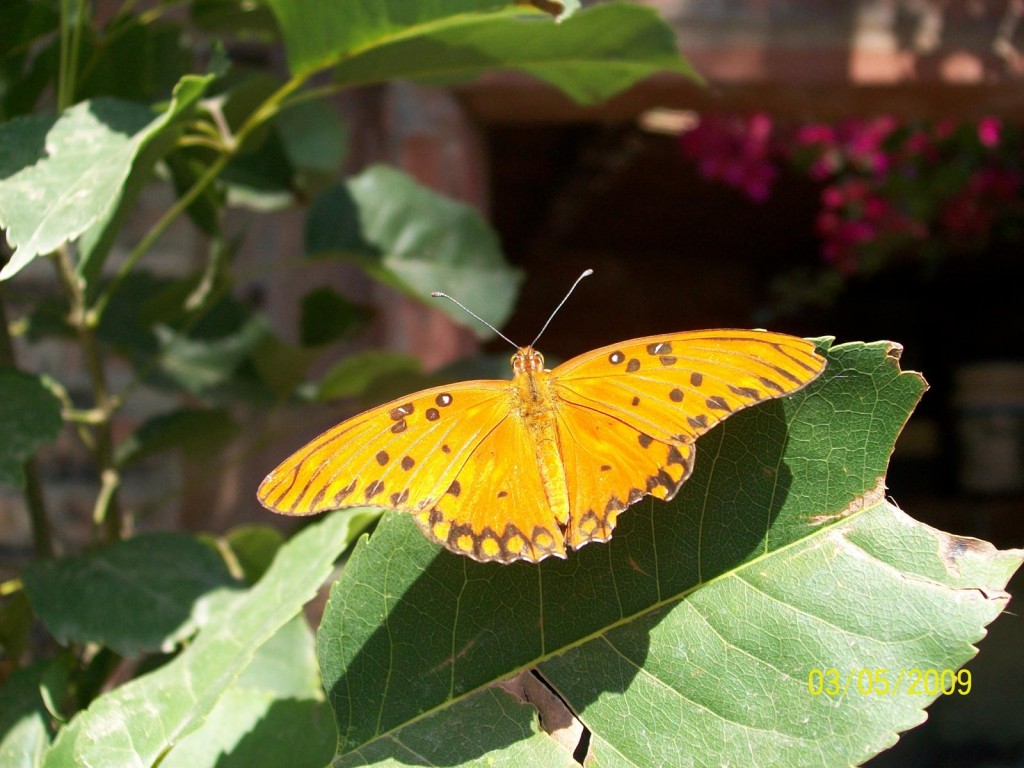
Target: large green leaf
[(24, 735), (61, 176), (274, 714), (29, 418), (136, 595), (690, 637), (416, 240), (590, 56), (318, 34), (140, 722)]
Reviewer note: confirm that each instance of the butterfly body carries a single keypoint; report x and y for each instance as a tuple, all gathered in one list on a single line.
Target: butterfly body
[(528, 468)]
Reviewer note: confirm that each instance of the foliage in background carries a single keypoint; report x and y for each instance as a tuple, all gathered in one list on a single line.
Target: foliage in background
[(178, 650)]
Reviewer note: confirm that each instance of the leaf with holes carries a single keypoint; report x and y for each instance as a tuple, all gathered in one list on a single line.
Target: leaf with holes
[(693, 633)]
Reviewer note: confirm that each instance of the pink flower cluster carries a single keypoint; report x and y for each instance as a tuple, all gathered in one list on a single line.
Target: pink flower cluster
[(971, 213), (852, 145), (735, 150), (852, 160), (889, 188)]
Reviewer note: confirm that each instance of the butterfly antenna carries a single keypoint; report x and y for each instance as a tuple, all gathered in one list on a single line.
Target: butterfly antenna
[(586, 273), (440, 295)]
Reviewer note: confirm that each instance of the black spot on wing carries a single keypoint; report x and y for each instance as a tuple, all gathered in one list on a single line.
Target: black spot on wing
[(748, 392), (400, 412), (717, 403)]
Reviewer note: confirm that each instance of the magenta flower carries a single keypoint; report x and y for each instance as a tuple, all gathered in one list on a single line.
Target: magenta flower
[(989, 131), (737, 151), (889, 189)]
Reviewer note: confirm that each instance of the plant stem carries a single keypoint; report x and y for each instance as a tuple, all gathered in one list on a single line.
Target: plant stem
[(36, 503), (34, 500), (71, 23), (107, 511), (231, 146)]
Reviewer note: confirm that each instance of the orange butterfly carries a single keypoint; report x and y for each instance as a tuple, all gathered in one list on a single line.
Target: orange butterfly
[(524, 469)]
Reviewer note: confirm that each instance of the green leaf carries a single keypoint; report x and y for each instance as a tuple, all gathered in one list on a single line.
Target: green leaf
[(590, 56), (315, 139), (282, 366), (693, 632), (354, 375), (197, 432), (327, 316), (24, 21), (24, 731), (253, 548), (149, 320), (317, 35), (79, 164), (16, 621), (154, 144), (560, 9), (28, 53), (274, 714), (133, 59), (138, 723), (417, 241), (199, 364), (30, 417), (235, 18), (136, 595)]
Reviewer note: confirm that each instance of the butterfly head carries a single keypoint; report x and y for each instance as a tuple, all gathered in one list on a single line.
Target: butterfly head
[(527, 359)]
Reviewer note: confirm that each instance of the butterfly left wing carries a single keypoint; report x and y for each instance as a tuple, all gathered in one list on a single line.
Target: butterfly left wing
[(455, 457), (629, 413), (497, 508), (401, 455)]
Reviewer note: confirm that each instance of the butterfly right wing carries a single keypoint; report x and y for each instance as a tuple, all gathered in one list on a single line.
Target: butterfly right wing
[(610, 465), (629, 413)]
